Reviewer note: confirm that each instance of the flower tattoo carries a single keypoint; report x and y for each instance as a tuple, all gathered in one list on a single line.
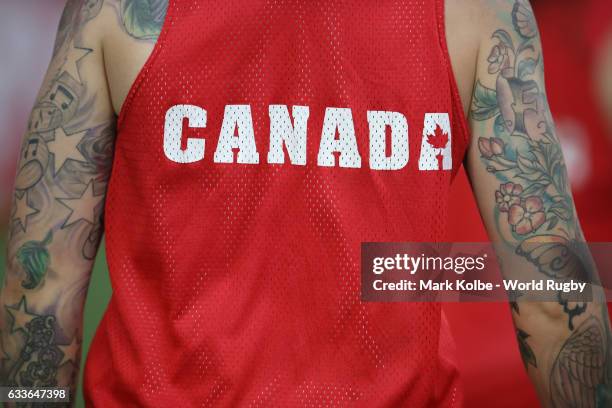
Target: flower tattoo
[(528, 216)]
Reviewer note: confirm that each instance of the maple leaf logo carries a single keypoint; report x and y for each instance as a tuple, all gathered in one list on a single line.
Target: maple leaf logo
[(439, 139)]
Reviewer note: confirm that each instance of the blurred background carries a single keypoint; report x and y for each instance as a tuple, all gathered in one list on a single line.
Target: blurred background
[(577, 41)]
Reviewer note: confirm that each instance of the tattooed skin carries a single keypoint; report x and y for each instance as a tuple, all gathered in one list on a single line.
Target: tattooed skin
[(57, 218), (534, 211), (533, 198), (527, 354), (44, 359), (143, 19), (33, 256), (579, 367), (56, 222)]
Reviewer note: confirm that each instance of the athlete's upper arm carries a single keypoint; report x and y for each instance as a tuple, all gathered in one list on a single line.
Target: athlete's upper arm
[(520, 181), (515, 161), (56, 222), (62, 176), (64, 161)]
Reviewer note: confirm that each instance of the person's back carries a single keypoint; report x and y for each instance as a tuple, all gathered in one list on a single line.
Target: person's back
[(258, 144), (237, 278)]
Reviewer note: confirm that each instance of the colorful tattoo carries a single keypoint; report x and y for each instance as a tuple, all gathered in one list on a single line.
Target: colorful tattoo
[(534, 210), (33, 256), (533, 199), (62, 175), (143, 19)]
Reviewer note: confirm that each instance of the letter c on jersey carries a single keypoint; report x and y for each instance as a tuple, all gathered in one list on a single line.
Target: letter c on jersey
[(173, 132)]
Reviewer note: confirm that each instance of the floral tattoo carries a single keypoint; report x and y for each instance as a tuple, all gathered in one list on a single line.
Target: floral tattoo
[(522, 152), (534, 209)]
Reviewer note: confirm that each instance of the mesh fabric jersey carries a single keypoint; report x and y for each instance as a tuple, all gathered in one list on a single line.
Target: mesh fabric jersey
[(236, 283)]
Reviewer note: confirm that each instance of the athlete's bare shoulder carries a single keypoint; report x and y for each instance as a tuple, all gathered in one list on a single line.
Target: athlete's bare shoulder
[(129, 30), (462, 36), (469, 24)]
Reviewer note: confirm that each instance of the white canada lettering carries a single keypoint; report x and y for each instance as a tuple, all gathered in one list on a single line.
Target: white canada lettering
[(289, 130)]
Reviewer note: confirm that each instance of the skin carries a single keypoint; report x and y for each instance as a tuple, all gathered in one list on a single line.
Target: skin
[(57, 221), (519, 178), (64, 167)]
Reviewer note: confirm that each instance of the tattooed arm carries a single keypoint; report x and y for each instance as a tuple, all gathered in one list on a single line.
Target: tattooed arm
[(518, 174), (63, 172), (56, 222)]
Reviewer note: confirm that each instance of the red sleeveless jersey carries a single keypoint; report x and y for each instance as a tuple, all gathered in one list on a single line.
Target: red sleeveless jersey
[(262, 142)]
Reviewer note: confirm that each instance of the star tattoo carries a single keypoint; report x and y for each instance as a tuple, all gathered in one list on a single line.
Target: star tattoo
[(74, 55), (23, 210), (20, 315), (65, 147), (70, 351), (83, 207)]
